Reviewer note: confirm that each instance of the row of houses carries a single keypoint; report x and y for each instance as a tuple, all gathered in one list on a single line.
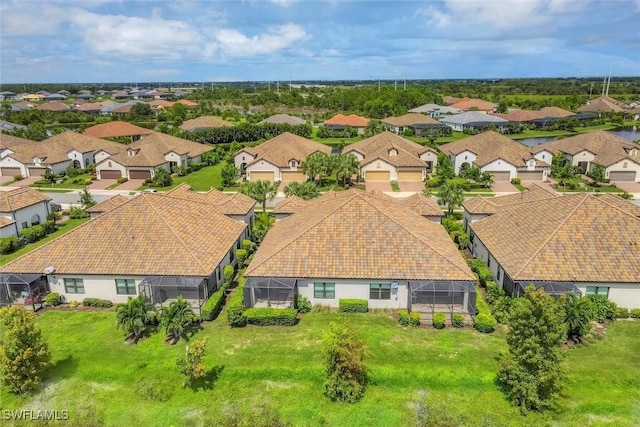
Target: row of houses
[(107, 107), (43, 95)]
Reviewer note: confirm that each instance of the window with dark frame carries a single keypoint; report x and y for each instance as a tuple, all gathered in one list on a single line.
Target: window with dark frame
[(380, 291), (73, 286), (598, 290), (324, 290), (125, 286)]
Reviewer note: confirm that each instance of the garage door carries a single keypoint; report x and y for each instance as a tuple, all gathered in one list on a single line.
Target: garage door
[(500, 176), (140, 174), (36, 171), (617, 176), (293, 177), (9, 171), (410, 176), (530, 176), (377, 176), (262, 176), (110, 174)]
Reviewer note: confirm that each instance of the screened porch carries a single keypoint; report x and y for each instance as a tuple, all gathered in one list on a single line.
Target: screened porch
[(162, 290), (443, 296), (270, 292), (28, 290), (552, 288)]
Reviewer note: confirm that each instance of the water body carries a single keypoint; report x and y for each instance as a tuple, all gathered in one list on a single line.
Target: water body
[(631, 133)]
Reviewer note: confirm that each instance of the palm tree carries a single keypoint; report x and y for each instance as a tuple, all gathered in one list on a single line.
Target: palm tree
[(133, 317), (176, 318), (346, 165), (260, 191), (317, 164), (373, 128), (305, 190), (485, 179), (451, 195)]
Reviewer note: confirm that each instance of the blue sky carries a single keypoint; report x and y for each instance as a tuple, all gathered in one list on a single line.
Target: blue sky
[(195, 40)]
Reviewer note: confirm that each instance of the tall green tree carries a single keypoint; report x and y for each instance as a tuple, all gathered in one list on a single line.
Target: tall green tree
[(49, 176), (24, 355), (192, 366), (304, 190), (345, 166), (317, 165), (345, 370), (177, 318), (133, 317), (596, 174), (374, 127), (451, 195), (162, 177), (86, 198), (532, 370), (229, 173), (260, 191), (444, 170), (580, 312)]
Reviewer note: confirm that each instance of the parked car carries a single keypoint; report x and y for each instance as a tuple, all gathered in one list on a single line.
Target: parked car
[(55, 207)]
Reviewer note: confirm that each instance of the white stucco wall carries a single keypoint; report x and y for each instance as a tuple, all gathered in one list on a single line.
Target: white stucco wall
[(263, 166), (430, 156), (100, 156), (172, 156), (625, 295), (8, 231), (501, 165), (464, 157), (583, 156), (103, 287), (8, 162), (358, 155), (57, 168), (26, 214), (545, 156), (619, 167), (346, 288), (380, 165), (242, 157)]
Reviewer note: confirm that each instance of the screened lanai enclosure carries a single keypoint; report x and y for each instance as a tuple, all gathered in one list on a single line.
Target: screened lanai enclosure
[(270, 292), (443, 296), (28, 290), (552, 288), (162, 290)]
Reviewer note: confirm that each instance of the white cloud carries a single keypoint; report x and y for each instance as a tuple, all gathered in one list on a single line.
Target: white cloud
[(20, 20), (234, 43)]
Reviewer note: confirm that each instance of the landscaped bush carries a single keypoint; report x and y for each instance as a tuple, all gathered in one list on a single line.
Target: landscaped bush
[(515, 181), (10, 244), (235, 308), (33, 233), (622, 313), (303, 304), (122, 180), (73, 303), (97, 302), (266, 316), (438, 320), (494, 293), (403, 317), (457, 320), (228, 274), (212, 307), (502, 309), (484, 273), (484, 323), (605, 309), (248, 245), (414, 318), (635, 313), (353, 305), (77, 213), (241, 256), (18, 177), (52, 299)]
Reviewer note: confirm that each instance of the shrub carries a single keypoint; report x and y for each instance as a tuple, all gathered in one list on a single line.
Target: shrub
[(622, 313), (635, 313), (76, 213), (212, 307), (52, 298), (494, 293), (33, 234), (73, 303), (303, 304), (345, 371), (248, 245), (89, 181), (457, 320), (228, 273), (18, 177), (502, 309), (414, 318), (605, 309), (353, 305), (266, 316), (484, 273), (403, 317), (97, 302), (241, 256), (122, 180), (484, 323), (515, 181), (235, 316), (438, 320), (9, 244)]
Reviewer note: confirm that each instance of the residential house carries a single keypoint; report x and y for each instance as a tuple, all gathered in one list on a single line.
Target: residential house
[(21, 208), (278, 159), (8, 126), (418, 123), (186, 102), (602, 104), (474, 104), (7, 96), (55, 97), (388, 157), (283, 118), (204, 122), (21, 106), (473, 120), (102, 207), (619, 157), (117, 129), (575, 243), (160, 104), (519, 116), (53, 106), (425, 206), (140, 159), (341, 122), (435, 111), (155, 245), (353, 244), (492, 152), (32, 97)]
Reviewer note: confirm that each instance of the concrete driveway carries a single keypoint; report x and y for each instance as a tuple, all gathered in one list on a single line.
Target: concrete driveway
[(5, 179), (132, 184), (379, 186), (27, 181), (629, 187), (504, 187), (412, 187), (102, 184)]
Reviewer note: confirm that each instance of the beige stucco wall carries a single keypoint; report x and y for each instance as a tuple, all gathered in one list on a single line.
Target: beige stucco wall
[(501, 165), (263, 166), (242, 157), (114, 166), (619, 167), (172, 156), (458, 160), (100, 156), (103, 287), (346, 288), (8, 162), (583, 156), (625, 295), (380, 165)]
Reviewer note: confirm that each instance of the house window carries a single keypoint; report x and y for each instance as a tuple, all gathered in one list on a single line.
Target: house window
[(499, 274), (232, 255), (598, 290), (324, 290), (109, 163), (25, 224), (125, 286), (73, 286), (380, 291), (489, 262), (218, 273), (624, 165)]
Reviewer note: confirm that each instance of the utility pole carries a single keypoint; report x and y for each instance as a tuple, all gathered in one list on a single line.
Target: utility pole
[(591, 90), (608, 82), (405, 84), (395, 85), (378, 85)]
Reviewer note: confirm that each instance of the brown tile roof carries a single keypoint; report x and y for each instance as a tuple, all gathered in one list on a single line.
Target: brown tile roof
[(619, 202), (519, 115), (555, 112), (489, 146), (108, 204), (449, 100), (290, 205), (607, 147), (227, 204), (89, 106), (5, 222), (14, 142), (380, 146), (20, 198), (489, 205), (53, 106), (186, 103), (284, 118), (570, 238), (284, 147), (151, 235), (356, 235), (115, 129), (467, 104), (352, 120), (422, 204), (410, 119), (601, 104), (204, 122)]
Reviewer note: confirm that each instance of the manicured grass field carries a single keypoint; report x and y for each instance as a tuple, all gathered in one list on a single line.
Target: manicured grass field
[(96, 375), (65, 183), (200, 180), (65, 227)]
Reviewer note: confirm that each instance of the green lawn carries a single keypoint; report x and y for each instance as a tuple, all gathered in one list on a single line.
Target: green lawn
[(65, 227), (65, 183), (95, 375), (201, 180)]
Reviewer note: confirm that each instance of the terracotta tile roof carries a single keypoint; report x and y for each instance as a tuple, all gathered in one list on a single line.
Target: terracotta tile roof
[(20, 198), (356, 235), (570, 238), (555, 112), (410, 119), (489, 205), (607, 147), (352, 120), (5, 222), (290, 205), (53, 106), (284, 147), (422, 204), (115, 129), (152, 234), (89, 106), (227, 204), (449, 100), (619, 202), (187, 103), (490, 146), (204, 122), (284, 118), (467, 104), (601, 104), (108, 204), (382, 146), (519, 115)]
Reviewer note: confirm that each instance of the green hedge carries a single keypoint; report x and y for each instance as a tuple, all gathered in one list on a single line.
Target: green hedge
[(10, 244), (484, 321), (52, 299), (438, 320), (266, 316), (606, 310), (235, 307), (403, 317), (414, 318), (482, 271), (212, 307), (622, 313), (457, 320), (97, 302), (635, 313), (353, 305)]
